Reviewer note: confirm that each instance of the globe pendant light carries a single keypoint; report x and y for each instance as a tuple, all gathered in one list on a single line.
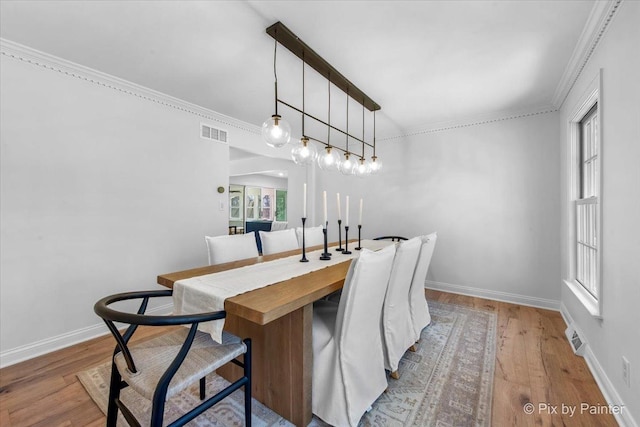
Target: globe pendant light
[(362, 168), (329, 160), (304, 153), (275, 131), (375, 165), (347, 165)]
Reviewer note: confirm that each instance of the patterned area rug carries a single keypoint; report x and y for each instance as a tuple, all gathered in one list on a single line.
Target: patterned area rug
[(447, 382)]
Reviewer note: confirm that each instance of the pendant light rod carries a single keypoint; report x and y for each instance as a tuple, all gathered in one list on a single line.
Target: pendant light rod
[(347, 124), (275, 73), (374, 134), (302, 92), (333, 147), (329, 113), (362, 157), (288, 39), (324, 123)]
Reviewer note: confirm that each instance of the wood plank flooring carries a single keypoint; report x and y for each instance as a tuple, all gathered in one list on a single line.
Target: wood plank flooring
[(534, 364)]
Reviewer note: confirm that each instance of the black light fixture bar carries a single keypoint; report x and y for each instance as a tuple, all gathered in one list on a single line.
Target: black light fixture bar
[(288, 39), (305, 114)]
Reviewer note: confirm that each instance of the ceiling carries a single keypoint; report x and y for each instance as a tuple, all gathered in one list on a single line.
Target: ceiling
[(423, 61)]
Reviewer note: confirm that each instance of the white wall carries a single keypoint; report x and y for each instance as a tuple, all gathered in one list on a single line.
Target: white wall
[(490, 191), (616, 335), (102, 190)]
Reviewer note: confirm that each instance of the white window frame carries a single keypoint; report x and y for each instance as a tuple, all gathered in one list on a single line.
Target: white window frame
[(591, 97)]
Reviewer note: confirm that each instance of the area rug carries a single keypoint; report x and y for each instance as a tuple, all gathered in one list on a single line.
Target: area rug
[(447, 382)]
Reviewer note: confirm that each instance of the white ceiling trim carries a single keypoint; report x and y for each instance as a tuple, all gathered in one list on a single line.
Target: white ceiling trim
[(597, 23), (480, 119), (50, 62)]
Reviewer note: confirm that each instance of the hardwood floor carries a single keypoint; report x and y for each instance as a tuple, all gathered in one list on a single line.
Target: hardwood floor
[(534, 364)]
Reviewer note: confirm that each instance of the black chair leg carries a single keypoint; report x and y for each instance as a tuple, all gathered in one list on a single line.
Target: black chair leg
[(247, 386), (114, 393), (203, 385), (157, 410)]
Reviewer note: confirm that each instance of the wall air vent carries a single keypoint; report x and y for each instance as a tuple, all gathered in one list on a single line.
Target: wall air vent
[(215, 134), (577, 343)]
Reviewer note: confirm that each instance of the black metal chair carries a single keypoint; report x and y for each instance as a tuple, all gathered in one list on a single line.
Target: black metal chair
[(392, 238), (164, 366)]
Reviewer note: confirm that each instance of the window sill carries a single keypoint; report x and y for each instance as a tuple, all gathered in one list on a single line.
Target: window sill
[(588, 301)]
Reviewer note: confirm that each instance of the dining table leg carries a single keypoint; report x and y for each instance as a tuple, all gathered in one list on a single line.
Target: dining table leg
[(282, 362)]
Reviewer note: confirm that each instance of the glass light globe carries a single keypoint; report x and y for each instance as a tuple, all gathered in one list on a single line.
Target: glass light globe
[(304, 153), (329, 160), (276, 132), (347, 165), (375, 165), (362, 168)]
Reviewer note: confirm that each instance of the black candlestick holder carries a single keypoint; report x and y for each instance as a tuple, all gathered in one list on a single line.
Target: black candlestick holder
[(325, 256), (304, 248), (359, 230), (339, 248), (346, 241)]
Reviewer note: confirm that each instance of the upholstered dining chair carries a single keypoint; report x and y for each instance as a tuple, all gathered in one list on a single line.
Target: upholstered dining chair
[(397, 327), (348, 360), (162, 367), (278, 241), (279, 225), (313, 236), (230, 248), (418, 306)]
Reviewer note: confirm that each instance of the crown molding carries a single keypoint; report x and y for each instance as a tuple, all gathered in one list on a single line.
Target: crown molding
[(47, 61), (601, 15), (474, 120)]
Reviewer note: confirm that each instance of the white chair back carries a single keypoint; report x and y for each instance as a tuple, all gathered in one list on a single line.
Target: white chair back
[(278, 241), (349, 371), (230, 248), (279, 225), (313, 236), (419, 308), (397, 326)]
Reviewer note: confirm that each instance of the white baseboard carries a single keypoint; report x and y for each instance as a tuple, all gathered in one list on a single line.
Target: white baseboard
[(548, 304), (38, 348), (624, 418)]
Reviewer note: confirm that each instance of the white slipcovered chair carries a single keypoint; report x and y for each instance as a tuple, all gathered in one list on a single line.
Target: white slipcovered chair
[(313, 236), (348, 360), (278, 241), (397, 327), (230, 248), (419, 308), (279, 225)]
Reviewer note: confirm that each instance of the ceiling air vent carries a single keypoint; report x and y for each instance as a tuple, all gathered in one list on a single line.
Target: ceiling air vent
[(215, 134)]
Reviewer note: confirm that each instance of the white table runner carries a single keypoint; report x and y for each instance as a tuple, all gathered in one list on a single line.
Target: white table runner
[(207, 293)]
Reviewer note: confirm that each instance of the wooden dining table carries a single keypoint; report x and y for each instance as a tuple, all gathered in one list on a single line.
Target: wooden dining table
[(278, 319)]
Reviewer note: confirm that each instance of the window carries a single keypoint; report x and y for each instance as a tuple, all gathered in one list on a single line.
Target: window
[(584, 200), (586, 205)]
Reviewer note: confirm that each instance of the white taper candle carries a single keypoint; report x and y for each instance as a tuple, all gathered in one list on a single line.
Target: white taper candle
[(324, 204), (360, 219), (339, 214), (304, 201), (346, 215)]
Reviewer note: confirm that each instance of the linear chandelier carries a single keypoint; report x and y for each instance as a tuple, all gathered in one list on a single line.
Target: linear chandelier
[(277, 131)]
